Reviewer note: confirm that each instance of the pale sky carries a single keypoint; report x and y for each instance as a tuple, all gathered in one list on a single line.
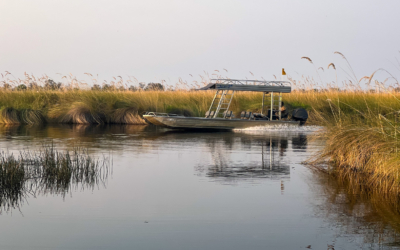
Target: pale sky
[(165, 40)]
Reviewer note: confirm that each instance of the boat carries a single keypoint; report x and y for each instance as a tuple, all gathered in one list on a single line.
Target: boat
[(219, 116)]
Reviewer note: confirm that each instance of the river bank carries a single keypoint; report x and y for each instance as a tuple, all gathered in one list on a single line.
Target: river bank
[(361, 127), (125, 107)]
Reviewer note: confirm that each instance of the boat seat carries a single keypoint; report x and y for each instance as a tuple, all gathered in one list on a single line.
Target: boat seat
[(228, 114), (210, 114), (242, 114), (248, 115)]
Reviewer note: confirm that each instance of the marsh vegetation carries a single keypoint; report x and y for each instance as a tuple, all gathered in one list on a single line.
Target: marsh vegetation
[(360, 117), (47, 170)]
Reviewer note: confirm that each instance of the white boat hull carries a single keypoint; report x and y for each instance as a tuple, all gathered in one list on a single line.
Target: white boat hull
[(182, 122)]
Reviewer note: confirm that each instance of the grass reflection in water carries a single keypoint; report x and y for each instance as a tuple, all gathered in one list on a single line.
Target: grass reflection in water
[(356, 211), (47, 171)]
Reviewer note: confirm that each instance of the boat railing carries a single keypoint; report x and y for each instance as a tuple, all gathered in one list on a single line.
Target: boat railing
[(251, 82), (160, 114), (249, 85)]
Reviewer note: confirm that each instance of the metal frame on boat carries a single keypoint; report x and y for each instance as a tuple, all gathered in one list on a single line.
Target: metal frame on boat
[(219, 115)]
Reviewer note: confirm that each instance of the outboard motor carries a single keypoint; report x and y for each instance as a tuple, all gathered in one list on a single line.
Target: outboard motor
[(300, 114)]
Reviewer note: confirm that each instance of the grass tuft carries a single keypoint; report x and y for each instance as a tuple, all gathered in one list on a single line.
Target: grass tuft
[(127, 116), (80, 113), (9, 116), (32, 117)]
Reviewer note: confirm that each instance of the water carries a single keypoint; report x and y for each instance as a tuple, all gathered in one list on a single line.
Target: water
[(187, 190)]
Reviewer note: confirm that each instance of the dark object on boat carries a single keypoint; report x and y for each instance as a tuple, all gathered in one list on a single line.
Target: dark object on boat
[(300, 114), (181, 112), (259, 116)]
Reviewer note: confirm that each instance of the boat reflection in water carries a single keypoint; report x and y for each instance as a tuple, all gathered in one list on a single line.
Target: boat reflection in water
[(241, 154), (174, 178), (265, 157)]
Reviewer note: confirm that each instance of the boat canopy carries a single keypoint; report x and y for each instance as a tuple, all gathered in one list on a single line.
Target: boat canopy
[(249, 85)]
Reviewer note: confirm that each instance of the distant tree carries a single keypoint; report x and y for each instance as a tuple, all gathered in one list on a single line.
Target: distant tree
[(107, 87), (52, 85), (96, 87), (6, 86), (33, 85), (142, 85), (132, 88), (154, 86), (21, 87), (334, 89)]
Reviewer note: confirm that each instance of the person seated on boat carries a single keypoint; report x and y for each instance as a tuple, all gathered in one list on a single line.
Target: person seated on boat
[(284, 113), (283, 108)]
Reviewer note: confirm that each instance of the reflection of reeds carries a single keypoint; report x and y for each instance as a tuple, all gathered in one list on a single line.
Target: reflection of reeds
[(355, 210), (47, 170), (12, 178)]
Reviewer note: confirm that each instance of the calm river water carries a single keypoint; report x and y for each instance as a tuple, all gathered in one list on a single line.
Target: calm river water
[(185, 190)]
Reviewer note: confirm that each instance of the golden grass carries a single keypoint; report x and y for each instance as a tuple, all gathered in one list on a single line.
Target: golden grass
[(362, 144), (361, 124), (31, 117), (87, 106), (127, 115), (9, 116), (79, 113)]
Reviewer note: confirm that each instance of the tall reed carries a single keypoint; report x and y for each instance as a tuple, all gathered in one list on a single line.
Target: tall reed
[(125, 107), (361, 123), (362, 142)]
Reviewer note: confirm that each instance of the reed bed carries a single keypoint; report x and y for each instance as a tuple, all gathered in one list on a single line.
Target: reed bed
[(362, 142), (125, 107), (361, 127), (360, 117), (38, 100), (47, 170)]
